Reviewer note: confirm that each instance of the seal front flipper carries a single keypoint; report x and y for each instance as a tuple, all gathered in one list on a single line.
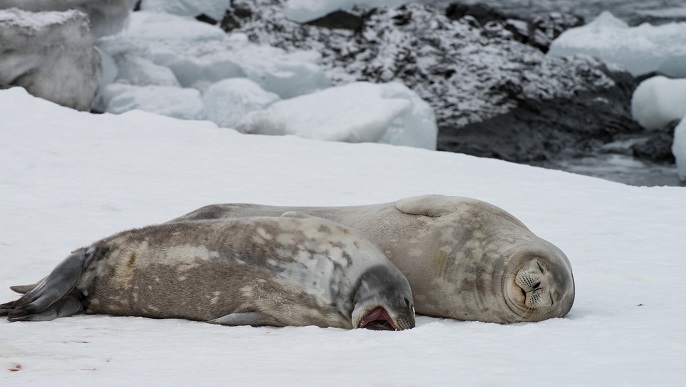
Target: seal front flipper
[(427, 205), (248, 318), (49, 291)]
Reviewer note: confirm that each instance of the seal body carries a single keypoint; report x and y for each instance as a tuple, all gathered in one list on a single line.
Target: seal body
[(464, 258), (279, 271)]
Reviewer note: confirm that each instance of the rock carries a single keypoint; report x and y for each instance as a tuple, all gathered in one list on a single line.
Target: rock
[(106, 17), (536, 31), (493, 96), (51, 55), (658, 146)]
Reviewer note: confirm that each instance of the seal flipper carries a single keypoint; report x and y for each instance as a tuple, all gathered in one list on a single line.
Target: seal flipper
[(68, 305), (49, 291), (248, 318), (23, 289)]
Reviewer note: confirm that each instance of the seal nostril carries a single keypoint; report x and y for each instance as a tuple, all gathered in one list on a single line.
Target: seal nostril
[(537, 285)]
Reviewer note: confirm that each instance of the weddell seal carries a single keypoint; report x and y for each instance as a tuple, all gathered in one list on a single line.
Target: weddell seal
[(281, 271), (464, 258)]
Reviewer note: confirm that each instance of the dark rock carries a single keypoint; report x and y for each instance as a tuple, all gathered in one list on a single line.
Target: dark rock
[(339, 20), (493, 96), (536, 31), (206, 19), (658, 147)]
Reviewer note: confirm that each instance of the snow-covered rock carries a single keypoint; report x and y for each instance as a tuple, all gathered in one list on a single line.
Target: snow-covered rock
[(658, 101), (106, 16), (679, 148), (641, 50), (212, 8), (170, 101), (51, 54), (358, 112), (228, 101), (492, 95)]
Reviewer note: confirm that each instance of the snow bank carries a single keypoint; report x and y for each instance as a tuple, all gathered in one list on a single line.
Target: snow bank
[(642, 49), (679, 148), (658, 101), (69, 178), (306, 10), (358, 112)]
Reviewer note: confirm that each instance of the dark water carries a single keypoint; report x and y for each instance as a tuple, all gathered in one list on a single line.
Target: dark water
[(632, 11)]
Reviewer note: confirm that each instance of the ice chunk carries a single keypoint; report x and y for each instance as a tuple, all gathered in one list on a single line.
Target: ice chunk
[(165, 100), (51, 54), (357, 112), (135, 70), (679, 148), (658, 101), (642, 49), (212, 8), (305, 10), (228, 101), (287, 74), (105, 17)]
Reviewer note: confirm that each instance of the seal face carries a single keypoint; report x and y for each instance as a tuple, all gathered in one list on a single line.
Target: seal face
[(464, 258), (281, 271)]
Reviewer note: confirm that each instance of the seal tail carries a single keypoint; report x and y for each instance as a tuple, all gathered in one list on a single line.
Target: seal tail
[(53, 296)]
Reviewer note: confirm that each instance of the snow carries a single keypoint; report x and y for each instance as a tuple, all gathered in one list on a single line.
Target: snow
[(641, 49), (679, 148), (212, 8), (357, 112), (306, 10), (658, 101), (70, 178)]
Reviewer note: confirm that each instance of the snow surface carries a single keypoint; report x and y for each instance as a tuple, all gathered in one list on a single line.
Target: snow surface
[(658, 101), (642, 49), (357, 112), (70, 178), (679, 148), (306, 10)]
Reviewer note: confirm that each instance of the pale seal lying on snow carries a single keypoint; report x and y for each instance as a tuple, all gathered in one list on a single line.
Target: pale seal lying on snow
[(465, 259), (280, 271)]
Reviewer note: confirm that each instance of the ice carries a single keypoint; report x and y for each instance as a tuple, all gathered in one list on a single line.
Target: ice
[(212, 8), (228, 101), (658, 101), (306, 10), (357, 112), (135, 70), (287, 74), (51, 54), (679, 148), (170, 101), (69, 178), (106, 17), (642, 49)]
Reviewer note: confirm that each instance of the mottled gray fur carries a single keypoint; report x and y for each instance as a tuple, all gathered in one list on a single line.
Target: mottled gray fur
[(464, 258)]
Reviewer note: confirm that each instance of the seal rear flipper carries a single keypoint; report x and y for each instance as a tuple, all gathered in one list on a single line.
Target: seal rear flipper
[(23, 289), (247, 318), (67, 306), (50, 290)]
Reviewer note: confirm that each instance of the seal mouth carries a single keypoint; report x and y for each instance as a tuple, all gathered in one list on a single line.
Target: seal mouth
[(378, 319)]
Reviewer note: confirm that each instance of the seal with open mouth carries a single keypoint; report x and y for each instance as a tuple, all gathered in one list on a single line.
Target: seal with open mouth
[(465, 258), (279, 271)]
